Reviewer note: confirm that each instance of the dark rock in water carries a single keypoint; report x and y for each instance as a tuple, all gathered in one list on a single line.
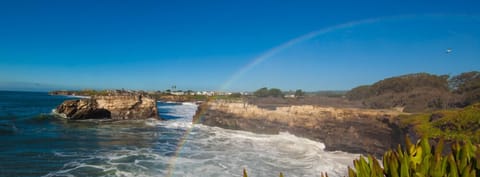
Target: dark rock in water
[(7, 127), (111, 107), (68, 108), (92, 114), (83, 109)]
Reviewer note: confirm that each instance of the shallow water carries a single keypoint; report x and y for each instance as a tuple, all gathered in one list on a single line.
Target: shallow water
[(35, 143)]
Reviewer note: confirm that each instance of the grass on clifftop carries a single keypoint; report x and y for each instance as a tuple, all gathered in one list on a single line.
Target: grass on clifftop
[(452, 124)]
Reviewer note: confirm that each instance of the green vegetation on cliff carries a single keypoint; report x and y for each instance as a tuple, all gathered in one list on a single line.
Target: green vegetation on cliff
[(451, 124)]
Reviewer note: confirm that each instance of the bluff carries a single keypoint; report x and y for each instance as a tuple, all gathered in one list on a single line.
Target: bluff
[(345, 129), (420, 92), (109, 107)]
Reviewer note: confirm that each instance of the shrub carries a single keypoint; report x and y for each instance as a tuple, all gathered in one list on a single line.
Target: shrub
[(265, 92), (421, 159), (451, 124)]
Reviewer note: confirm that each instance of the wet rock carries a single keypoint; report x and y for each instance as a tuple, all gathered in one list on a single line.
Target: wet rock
[(109, 107), (344, 129)]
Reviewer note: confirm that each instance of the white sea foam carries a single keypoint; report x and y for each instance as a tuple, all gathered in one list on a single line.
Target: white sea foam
[(77, 96), (189, 103), (210, 151), (184, 110)]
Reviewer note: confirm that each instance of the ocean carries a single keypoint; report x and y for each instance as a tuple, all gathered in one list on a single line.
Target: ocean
[(34, 142)]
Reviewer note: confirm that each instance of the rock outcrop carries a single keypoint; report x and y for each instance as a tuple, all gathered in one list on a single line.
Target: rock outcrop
[(109, 107), (345, 129)]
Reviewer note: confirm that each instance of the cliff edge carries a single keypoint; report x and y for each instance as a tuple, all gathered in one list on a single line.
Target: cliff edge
[(345, 129), (109, 107)]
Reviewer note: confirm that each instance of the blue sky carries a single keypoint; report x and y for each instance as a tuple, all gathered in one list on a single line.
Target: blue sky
[(200, 45)]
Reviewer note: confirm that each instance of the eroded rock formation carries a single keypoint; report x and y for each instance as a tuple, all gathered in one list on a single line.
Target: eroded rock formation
[(109, 107), (345, 129)]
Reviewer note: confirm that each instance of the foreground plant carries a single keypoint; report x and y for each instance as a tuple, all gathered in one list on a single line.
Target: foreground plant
[(421, 159)]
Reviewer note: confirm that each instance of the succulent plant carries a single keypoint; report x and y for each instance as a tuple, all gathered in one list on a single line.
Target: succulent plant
[(421, 159)]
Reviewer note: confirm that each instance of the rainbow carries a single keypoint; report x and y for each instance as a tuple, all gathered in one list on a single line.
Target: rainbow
[(270, 53), (181, 143), (256, 61), (273, 51), (266, 55)]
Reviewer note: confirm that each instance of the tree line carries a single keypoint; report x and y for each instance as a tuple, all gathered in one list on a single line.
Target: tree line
[(275, 92), (420, 91)]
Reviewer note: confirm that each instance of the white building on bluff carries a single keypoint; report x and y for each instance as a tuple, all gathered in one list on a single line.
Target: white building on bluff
[(177, 93)]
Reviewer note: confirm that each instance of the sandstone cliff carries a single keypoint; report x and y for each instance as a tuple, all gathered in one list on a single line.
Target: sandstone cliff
[(110, 107), (345, 129)]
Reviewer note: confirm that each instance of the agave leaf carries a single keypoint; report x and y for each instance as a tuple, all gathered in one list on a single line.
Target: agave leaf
[(400, 152), (439, 147), (351, 173), (394, 164), (417, 174), (453, 172), (404, 167), (386, 161), (425, 145), (477, 159), (426, 164), (409, 146), (365, 167), (416, 158), (375, 168), (463, 158), (436, 168), (469, 149), (467, 172), (358, 167), (456, 151), (443, 169)]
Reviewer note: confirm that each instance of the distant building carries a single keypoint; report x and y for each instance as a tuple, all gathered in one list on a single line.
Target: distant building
[(290, 96), (177, 93)]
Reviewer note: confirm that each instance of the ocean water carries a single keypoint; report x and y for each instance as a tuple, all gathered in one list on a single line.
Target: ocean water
[(33, 142)]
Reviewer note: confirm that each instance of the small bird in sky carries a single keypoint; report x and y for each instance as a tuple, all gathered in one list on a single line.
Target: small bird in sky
[(449, 50)]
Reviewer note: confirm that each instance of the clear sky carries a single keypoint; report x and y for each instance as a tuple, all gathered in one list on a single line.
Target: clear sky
[(232, 45)]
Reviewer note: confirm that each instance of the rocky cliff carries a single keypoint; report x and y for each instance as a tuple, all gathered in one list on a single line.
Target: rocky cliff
[(344, 129), (110, 107)]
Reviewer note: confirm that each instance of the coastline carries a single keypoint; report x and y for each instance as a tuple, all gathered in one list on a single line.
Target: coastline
[(78, 96), (353, 130)]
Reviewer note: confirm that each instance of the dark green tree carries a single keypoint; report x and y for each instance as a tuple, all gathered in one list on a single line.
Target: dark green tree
[(360, 92), (415, 92), (275, 92), (299, 93), (263, 92), (467, 85), (236, 95)]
